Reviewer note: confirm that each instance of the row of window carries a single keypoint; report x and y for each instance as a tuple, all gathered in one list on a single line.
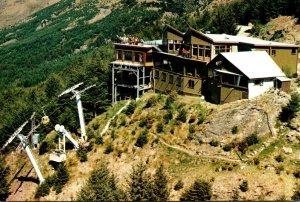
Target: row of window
[(132, 56), (191, 83)]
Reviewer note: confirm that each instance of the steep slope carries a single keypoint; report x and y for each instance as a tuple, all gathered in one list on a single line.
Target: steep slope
[(14, 11), (185, 148)]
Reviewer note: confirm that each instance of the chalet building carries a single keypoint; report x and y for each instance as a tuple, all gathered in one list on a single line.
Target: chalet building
[(205, 47), (236, 75), (221, 67), (132, 70)]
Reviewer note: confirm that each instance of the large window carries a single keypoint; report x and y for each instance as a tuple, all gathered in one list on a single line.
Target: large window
[(221, 49), (195, 50), (207, 52), (173, 45), (119, 55), (138, 57), (258, 82), (293, 52), (149, 58)]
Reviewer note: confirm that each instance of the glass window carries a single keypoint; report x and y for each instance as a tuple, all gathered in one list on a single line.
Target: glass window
[(294, 51), (128, 56), (258, 82), (195, 50), (171, 79), (207, 52), (138, 57), (119, 55), (163, 76), (178, 82), (191, 84), (201, 51), (149, 58)]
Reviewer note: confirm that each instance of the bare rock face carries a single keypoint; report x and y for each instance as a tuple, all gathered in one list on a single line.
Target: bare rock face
[(254, 116)]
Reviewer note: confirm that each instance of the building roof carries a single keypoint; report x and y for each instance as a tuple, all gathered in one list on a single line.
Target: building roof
[(169, 27), (254, 64), (226, 38)]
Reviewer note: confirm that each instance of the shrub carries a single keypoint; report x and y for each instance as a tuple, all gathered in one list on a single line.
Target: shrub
[(234, 130), (82, 155), (228, 147), (142, 123), (109, 148), (201, 119), (172, 96), (151, 102), (44, 148), (279, 158), (179, 185), (159, 128), (168, 116), (256, 161), (192, 129), (130, 108), (242, 147), (252, 139), (182, 115), (99, 140), (142, 139), (290, 110), (244, 186), (296, 195), (199, 191), (190, 136), (297, 174), (43, 189), (214, 143)]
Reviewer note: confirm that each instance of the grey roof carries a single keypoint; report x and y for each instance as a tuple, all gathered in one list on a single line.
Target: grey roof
[(254, 64)]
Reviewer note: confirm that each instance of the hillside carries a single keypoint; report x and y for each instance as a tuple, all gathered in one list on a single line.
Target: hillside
[(14, 11), (185, 148)]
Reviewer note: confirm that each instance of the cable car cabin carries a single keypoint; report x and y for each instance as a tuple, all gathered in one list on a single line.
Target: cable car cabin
[(58, 156)]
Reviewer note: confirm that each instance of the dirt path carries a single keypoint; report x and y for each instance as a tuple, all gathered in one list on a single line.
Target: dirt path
[(193, 153)]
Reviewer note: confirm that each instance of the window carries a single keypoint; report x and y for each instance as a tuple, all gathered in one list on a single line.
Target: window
[(258, 82), (207, 52), (221, 49), (178, 82), (128, 56), (191, 84), (273, 52), (195, 50), (171, 79), (138, 57), (149, 58), (163, 76), (294, 51), (201, 51), (171, 45), (156, 75), (119, 55)]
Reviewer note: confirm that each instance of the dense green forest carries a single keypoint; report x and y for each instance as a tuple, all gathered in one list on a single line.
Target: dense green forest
[(43, 61)]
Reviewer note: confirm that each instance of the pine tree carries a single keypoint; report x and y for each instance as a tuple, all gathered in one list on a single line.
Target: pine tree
[(61, 177), (4, 186), (140, 183), (160, 185), (101, 186), (199, 191)]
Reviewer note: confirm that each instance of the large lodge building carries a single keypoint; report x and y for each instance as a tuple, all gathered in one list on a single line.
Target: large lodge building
[(221, 67)]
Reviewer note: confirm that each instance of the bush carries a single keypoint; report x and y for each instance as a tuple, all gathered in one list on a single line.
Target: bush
[(234, 130), (179, 185), (172, 96), (192, 129), (190, 136), (182, 115), (168, 116), (228, 147), (244, 186), (142, 139), (99, 140), (159, 128), (151, 102), (256, 161), (242, 147), (109, 148), (199, 191), (44, 148), (130, 108), (279, 158), (142, 123), (252, 139), (297, 174), (43, 189), (214, 143), (290, 110), (296, 195), (82, 154)]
